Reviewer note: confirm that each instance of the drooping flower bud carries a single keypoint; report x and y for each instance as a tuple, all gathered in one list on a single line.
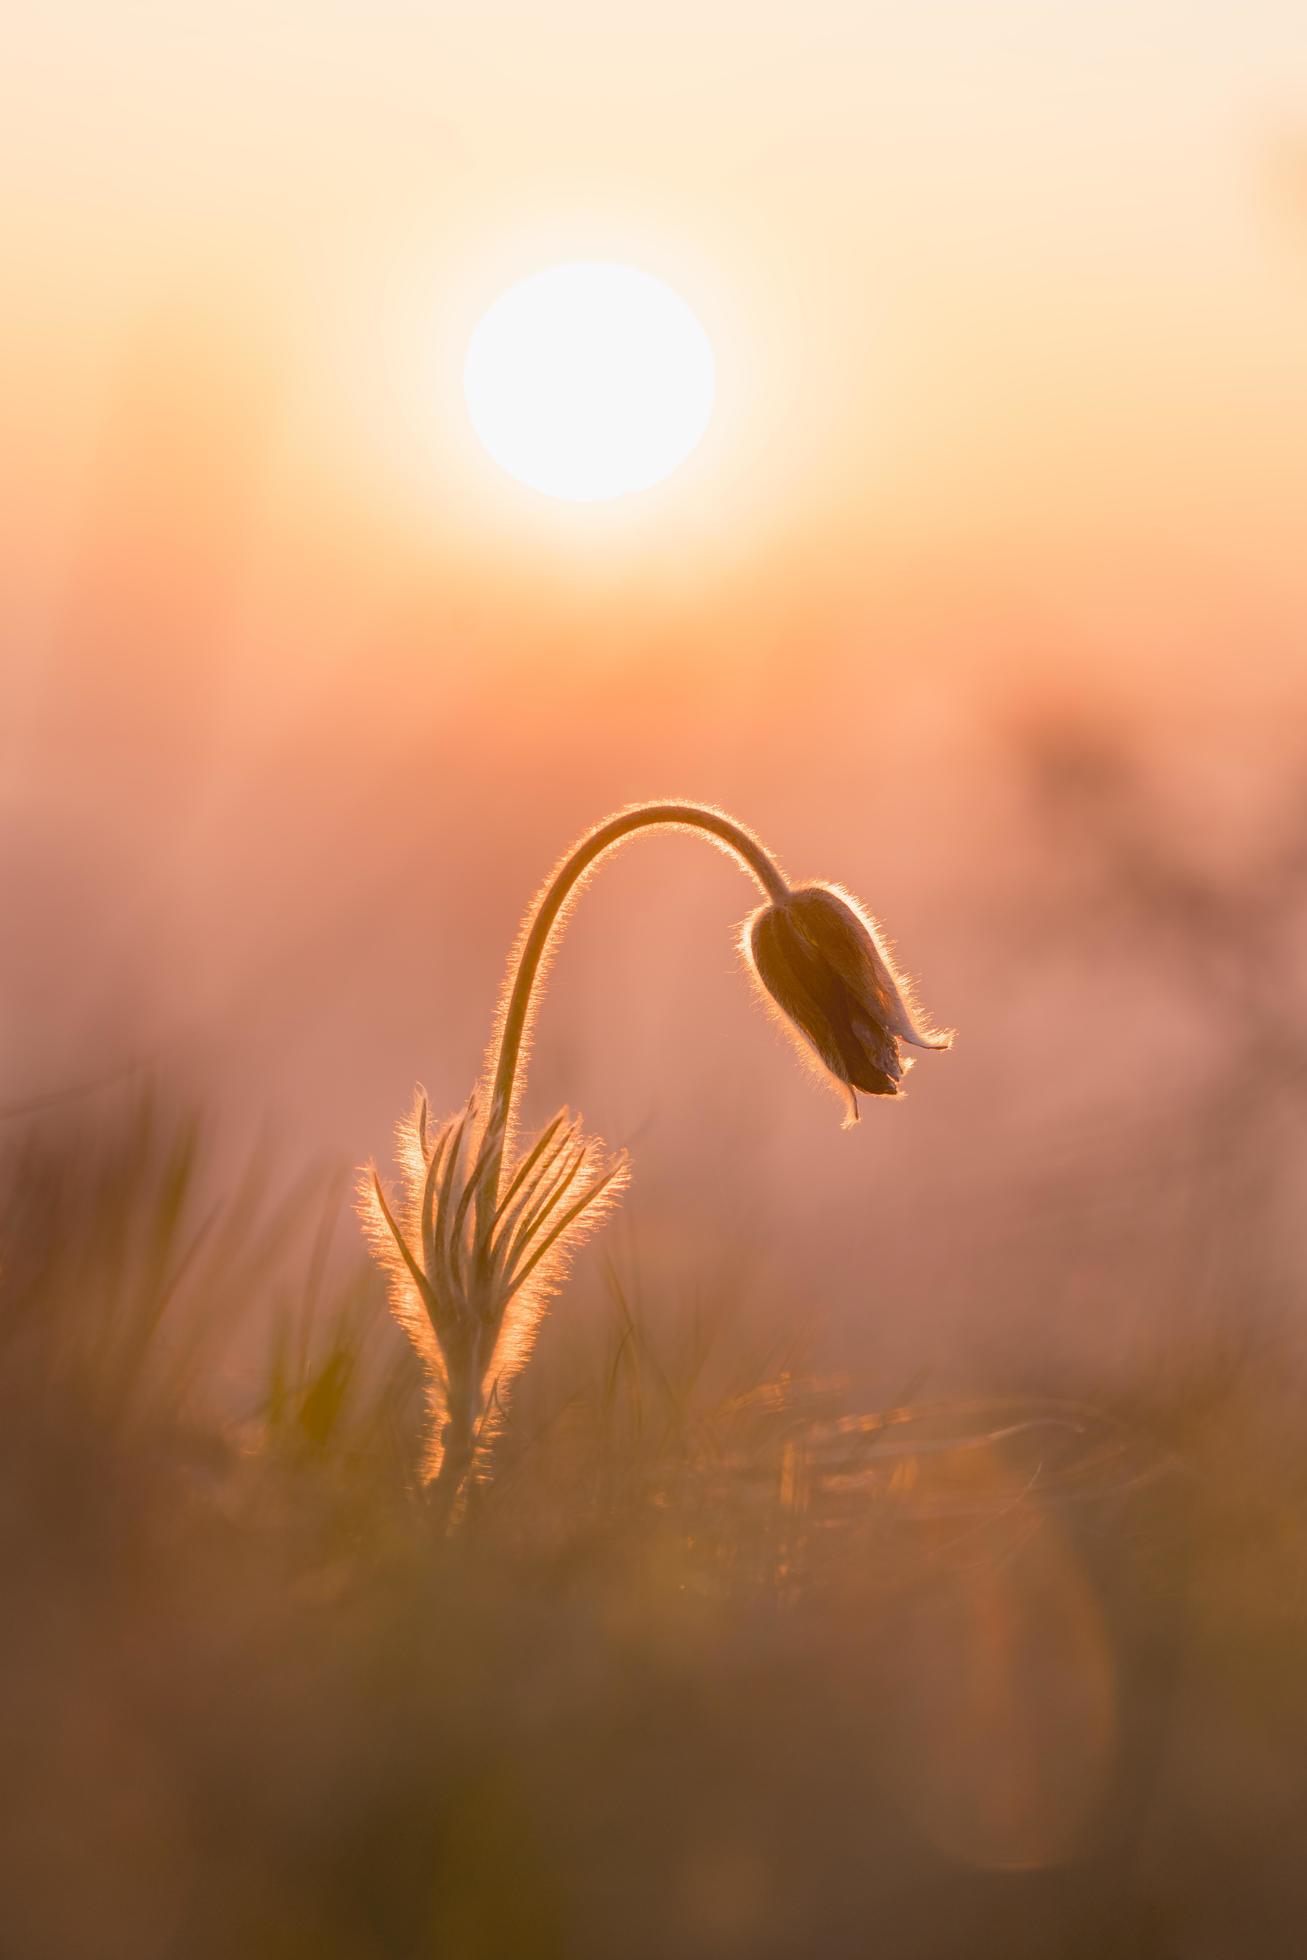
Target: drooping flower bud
[(824, 965)]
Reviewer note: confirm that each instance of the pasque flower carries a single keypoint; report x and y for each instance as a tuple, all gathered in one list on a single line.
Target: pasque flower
[(484, 1228), (826, 968)]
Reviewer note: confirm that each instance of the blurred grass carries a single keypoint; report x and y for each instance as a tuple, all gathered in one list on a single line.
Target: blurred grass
[(732, 1664), (742, 1658)]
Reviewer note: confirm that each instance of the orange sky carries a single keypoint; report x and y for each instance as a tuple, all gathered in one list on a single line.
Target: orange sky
[(1009, 303), (1019, 285)]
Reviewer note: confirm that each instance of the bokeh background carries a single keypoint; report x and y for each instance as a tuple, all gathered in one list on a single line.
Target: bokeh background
[(301, 696), (986, 595)]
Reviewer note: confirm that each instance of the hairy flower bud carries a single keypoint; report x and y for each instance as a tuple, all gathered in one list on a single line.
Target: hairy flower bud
[(826, 968)]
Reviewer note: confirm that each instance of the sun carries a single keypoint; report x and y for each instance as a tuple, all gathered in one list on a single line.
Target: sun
[(589, 381)]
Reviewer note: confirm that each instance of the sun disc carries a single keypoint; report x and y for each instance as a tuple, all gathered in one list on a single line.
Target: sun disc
[(589, 381)]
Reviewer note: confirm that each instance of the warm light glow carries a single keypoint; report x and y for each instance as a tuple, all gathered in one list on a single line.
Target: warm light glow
[(589, 381)]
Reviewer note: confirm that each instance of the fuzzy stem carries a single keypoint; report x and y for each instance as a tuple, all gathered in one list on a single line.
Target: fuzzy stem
[(449, 1480), (517, 1013)]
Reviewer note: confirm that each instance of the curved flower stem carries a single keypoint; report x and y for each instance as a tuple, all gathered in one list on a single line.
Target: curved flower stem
[(506, 1084)]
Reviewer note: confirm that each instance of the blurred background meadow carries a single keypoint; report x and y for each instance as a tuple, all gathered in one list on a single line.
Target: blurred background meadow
[(899, 1542)]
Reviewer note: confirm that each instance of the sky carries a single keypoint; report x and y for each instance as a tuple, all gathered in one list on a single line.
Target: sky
[(300, 695), (993, 281)]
